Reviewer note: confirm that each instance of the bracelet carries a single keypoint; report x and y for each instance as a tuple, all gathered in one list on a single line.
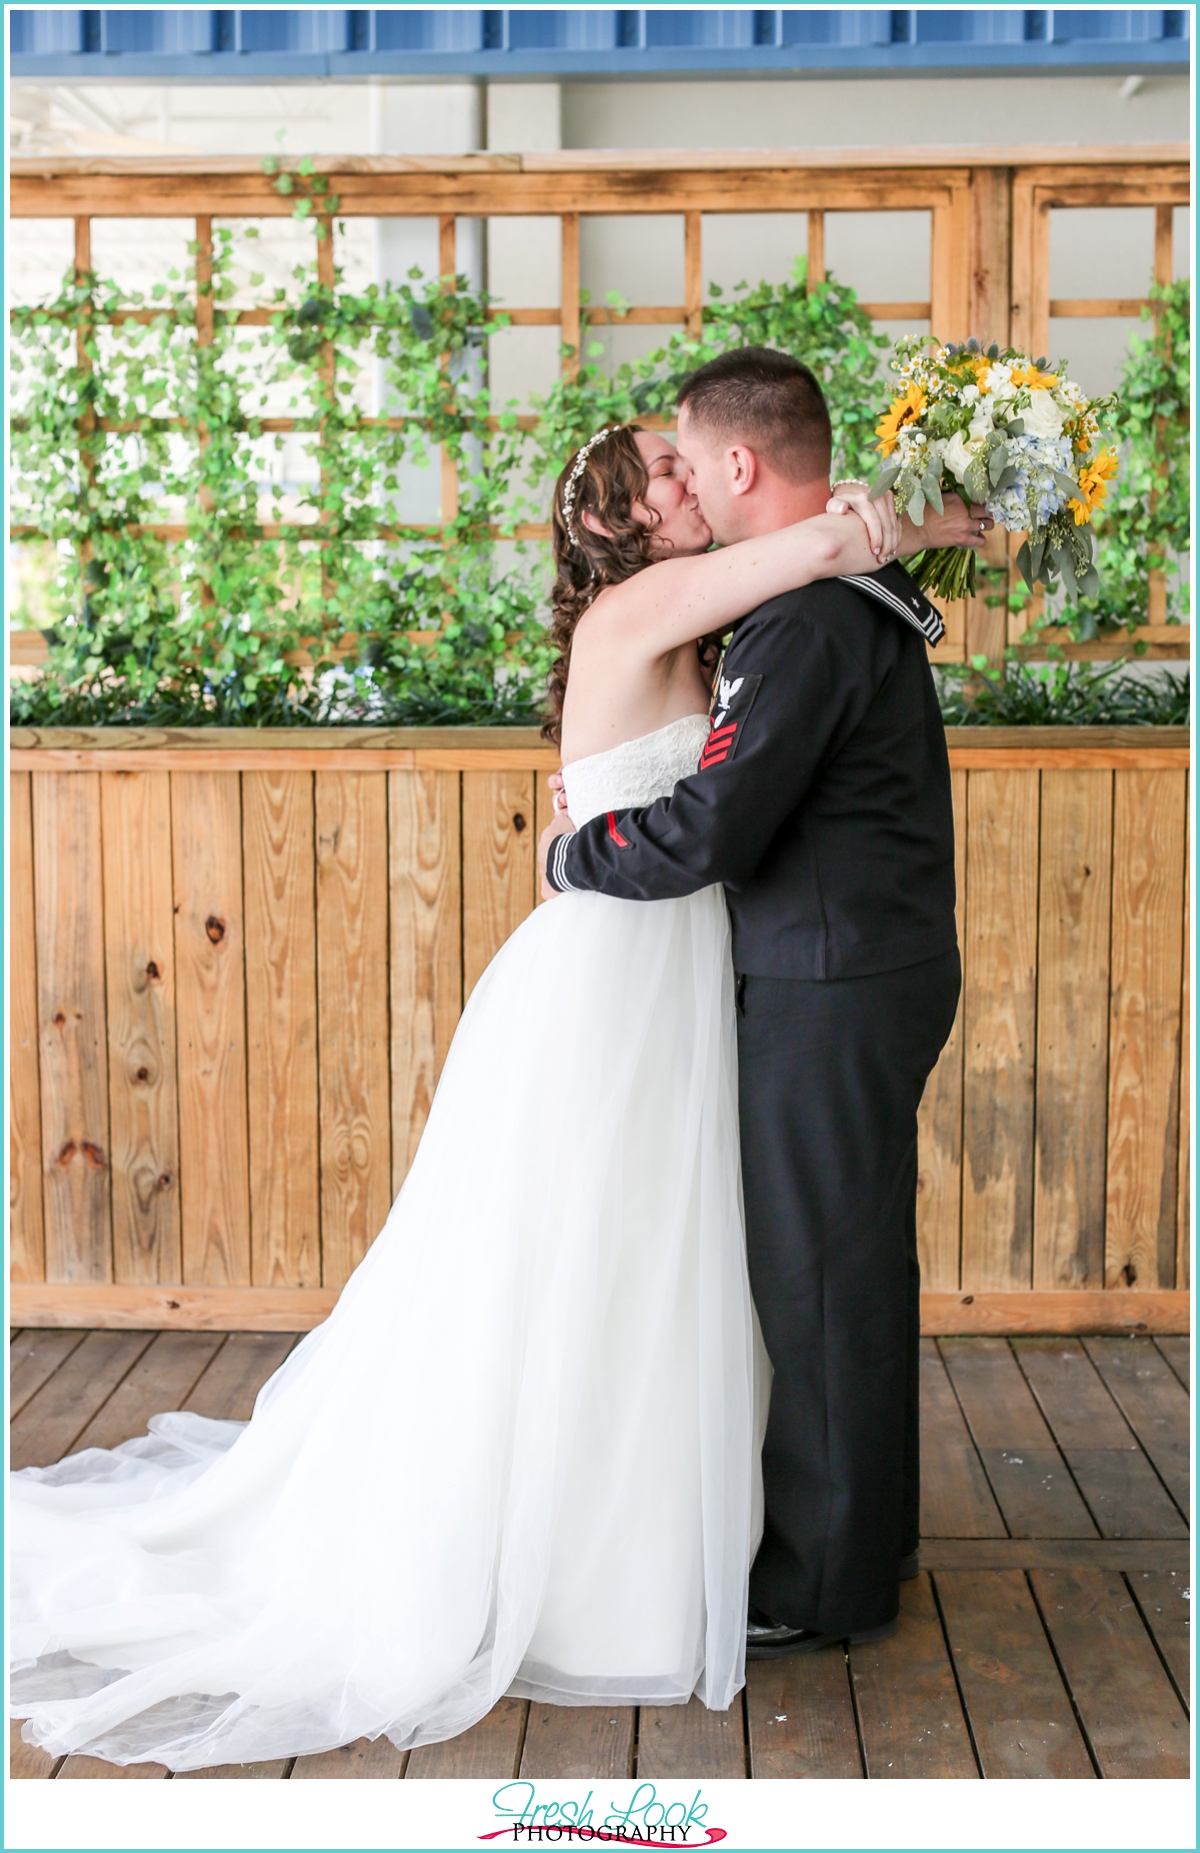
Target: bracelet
[(848, 482)]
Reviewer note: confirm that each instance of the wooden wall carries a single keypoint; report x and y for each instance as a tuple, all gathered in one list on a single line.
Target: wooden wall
[(238, 961)]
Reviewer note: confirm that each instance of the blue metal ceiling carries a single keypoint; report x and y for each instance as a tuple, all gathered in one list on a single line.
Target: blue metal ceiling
[(63, 43)]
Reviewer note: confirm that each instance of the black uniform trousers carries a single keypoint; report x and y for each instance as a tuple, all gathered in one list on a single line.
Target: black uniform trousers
[(831, 1075)]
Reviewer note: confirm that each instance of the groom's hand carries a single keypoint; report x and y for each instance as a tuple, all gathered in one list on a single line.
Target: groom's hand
[(561, 826)]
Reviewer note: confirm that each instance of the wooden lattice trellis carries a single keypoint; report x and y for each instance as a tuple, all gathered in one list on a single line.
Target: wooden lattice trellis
[(989, 250)]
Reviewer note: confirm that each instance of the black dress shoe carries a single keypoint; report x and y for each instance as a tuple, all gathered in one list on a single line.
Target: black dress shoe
[(767, 1640)]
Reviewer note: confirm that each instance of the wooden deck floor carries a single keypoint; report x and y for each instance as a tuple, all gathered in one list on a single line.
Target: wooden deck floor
[(1047, 1634)]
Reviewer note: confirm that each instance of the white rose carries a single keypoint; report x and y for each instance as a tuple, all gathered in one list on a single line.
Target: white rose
[(981, 425), (1044, 418), (957, 455)]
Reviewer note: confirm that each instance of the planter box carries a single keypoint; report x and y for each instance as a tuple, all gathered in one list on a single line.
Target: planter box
[(238, 957)]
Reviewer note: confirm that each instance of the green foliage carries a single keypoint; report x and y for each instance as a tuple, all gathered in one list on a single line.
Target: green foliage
[(201, 625), (825, 328), (285, 595), (1144, 525), (1061, 695)]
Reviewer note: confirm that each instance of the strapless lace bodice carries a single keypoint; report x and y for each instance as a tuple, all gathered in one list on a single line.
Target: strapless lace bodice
[(635, 773)]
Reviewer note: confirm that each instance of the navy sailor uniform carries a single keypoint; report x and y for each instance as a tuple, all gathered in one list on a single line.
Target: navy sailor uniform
[(823, 803)]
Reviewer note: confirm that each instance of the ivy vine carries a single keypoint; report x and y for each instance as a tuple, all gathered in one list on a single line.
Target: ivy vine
[(285, 595)]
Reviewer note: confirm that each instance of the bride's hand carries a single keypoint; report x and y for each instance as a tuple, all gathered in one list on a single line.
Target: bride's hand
[(558, 791), (879, 517), (561, 826)]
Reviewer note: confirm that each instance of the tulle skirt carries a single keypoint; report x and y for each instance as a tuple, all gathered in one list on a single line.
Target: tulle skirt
[(521, 1454)]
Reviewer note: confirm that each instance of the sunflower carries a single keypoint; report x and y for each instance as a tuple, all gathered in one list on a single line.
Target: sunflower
[(903, 411), (1033, 377), (1093, 486)]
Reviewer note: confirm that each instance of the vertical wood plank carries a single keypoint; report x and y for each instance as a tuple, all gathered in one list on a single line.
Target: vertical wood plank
[(1164, 236), (990, 256), (139, 956), (908, 1707), (565, 1741), (941, 271), (425, 879), (1183, 1219), (570, 291), (940, 1116), (985, 626), (800, 1719), (352, 984), (206, 833), (447, 270), (1074, 907), (1020, 324), (816, 250), (1134, 1721), (693, 274), (1143, 1101), (1039, 307), (960, 234), (999, 1028), (72, 1025), (281, 1028), (27, 1236), (1021, 1717), (204, 267), (499, 864), (676, 1740)]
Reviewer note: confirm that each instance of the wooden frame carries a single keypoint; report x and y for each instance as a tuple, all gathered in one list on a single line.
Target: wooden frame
[(989, 247), (205, 922)]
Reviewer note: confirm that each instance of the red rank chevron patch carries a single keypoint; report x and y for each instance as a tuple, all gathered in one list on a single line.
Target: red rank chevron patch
[(620, 841), (718, 745)]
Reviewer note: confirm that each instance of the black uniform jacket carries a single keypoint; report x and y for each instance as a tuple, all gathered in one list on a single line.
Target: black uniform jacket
[(822, 799)]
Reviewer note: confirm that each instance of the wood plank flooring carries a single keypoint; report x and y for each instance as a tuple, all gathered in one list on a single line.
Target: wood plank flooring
[(1047, 1635)]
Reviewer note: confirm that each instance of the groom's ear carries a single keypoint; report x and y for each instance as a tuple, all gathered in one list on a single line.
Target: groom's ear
[(742, 465)]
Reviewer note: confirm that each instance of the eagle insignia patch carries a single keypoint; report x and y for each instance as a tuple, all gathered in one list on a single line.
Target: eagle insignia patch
[(732, 702)]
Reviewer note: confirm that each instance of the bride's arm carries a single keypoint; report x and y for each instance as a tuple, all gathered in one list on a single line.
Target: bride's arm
[(675, 601)]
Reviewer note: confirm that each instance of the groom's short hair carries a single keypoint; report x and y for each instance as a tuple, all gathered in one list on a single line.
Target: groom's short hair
[(769, 401)]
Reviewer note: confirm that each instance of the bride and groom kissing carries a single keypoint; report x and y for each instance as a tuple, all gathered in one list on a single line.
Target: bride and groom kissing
[(597, 1418)]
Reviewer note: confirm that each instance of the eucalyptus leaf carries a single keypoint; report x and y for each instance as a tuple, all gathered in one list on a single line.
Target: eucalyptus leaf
[(975, 480)]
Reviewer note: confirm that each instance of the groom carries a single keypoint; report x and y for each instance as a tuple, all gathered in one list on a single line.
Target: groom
[(822, 802)]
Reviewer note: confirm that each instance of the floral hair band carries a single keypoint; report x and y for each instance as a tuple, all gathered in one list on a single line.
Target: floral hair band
[(572, 484)]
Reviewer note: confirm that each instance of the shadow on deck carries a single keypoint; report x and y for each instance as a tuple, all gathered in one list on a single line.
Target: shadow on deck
[(1047, 1634)]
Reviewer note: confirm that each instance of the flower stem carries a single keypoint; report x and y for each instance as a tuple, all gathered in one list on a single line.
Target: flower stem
[(949, 572)]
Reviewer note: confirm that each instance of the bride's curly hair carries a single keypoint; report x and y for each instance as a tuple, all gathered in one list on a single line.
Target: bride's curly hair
[(612, 480)]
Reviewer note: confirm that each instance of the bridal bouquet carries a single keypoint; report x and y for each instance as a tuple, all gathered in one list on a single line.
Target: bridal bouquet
[(996, 427)]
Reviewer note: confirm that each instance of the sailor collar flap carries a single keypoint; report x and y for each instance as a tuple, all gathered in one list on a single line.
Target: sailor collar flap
[(900, 595)]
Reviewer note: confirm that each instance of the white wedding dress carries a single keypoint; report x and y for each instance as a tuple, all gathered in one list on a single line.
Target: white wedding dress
[(521, 1456)]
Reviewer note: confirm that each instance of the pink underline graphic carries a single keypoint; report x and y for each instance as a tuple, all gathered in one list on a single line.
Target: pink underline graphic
[(599, 1833)]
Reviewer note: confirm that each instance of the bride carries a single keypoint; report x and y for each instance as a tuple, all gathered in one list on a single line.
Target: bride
[(520, 1456)]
